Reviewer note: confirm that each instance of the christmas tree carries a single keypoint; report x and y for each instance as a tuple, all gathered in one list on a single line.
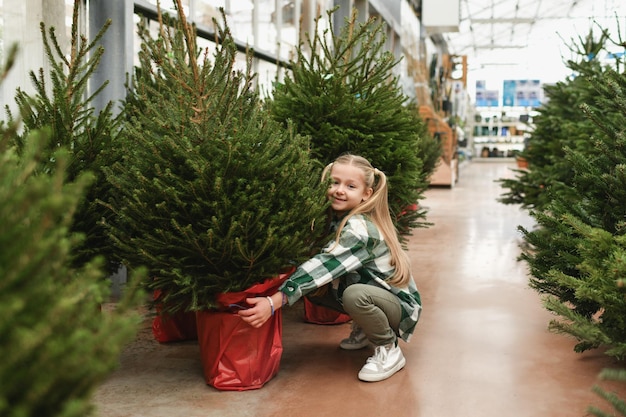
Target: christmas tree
[(577, 254), (212, 195), (345, 97), (62, 103), (56, 343), (560, 124)]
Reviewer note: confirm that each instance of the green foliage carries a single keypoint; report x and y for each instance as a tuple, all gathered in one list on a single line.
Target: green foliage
[(561, 124), (211, 195), (61, 103), (603, 262), (56, 343), (618, 404), (577, 253), (346, 99)]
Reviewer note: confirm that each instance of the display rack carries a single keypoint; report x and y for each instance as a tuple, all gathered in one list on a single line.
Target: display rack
[(499, 133), (446, 172)]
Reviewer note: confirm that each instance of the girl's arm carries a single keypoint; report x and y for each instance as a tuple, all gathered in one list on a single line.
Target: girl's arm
[(354, 248), (311, 275)]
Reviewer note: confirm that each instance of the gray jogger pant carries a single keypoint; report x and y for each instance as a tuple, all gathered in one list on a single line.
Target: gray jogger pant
[(376, 310)]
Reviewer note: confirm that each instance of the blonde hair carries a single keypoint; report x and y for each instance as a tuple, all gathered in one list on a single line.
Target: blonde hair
[(377, 208)]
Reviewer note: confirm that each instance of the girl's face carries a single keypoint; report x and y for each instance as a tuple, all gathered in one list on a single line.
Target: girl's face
[(347, 189)]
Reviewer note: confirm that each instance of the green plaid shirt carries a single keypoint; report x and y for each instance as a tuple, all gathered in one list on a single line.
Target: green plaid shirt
[(360, 256)]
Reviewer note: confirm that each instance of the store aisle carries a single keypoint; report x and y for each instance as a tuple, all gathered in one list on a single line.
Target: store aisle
[(481, 348)]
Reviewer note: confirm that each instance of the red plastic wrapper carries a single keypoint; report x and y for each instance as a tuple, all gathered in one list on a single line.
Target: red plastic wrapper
[(176, 327), (236, 356), (409, 208), (317, 314), (233, 301)]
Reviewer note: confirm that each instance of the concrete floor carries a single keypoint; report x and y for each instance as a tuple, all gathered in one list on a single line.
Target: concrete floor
[(481, 348)]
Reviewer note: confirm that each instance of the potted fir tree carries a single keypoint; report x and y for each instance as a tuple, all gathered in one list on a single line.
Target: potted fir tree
[(342, 92), (212, 196)]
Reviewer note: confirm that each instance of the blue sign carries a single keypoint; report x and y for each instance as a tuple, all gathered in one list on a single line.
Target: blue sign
[(484, 97), (521, 93)]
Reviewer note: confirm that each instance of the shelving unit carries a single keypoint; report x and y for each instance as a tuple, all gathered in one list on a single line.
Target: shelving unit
[(446, 172), (499, 133)]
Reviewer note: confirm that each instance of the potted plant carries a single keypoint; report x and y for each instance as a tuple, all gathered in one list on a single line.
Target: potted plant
[(520, 160), (213, 196), (342, 92)]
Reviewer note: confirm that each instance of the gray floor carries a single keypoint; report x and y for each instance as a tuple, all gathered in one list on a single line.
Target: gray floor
[(481, 348)]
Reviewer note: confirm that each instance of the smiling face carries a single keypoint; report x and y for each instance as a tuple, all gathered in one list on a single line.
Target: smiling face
[(348, 188)]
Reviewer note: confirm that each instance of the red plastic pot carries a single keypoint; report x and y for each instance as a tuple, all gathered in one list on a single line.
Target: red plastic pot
[(236, 356)]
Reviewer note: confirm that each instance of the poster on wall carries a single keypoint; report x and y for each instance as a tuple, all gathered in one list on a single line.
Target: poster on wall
[(486, 98), (521, 93)]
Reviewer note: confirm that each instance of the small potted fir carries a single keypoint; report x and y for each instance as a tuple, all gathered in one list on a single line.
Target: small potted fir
[(213, 196)]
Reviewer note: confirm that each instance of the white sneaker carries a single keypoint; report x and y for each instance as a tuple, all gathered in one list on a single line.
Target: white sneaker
[(356, 340), (386, 361)]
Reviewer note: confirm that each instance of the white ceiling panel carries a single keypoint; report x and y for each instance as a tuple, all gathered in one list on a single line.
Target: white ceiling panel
[(528, 38)]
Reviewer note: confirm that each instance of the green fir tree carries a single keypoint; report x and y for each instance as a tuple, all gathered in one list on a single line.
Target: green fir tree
[(212, 195), (560, 124), (56, 343), (344, 96), (577, 255), (62, 102)]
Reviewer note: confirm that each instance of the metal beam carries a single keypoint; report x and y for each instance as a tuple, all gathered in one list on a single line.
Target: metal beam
[(495, 46), (514, 20), (149, 10)]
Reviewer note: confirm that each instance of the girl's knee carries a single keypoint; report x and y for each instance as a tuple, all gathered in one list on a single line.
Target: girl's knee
[(354, 298), (360, 300)]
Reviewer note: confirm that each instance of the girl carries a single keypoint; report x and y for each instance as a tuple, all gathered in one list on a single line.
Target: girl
[(368, 272)]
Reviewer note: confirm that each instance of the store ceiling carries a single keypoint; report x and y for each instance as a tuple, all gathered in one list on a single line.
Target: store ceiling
[(528, 38)]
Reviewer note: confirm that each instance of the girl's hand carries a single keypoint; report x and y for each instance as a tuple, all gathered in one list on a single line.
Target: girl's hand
[(258, 314)]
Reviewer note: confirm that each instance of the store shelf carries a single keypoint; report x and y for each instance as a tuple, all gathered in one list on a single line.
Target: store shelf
[(499, 133)]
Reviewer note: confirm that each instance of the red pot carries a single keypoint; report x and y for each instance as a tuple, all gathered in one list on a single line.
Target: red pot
[(236, 356), (173, 327), (317, 314)]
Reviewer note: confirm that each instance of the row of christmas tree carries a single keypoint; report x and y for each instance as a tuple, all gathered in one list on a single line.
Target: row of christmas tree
[(575, 188), (197, 184)]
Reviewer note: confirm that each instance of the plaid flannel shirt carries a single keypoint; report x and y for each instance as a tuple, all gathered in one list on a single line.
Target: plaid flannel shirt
[(360, 256)]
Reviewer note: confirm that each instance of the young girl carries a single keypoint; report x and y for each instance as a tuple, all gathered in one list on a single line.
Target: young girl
[(368, 272)]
